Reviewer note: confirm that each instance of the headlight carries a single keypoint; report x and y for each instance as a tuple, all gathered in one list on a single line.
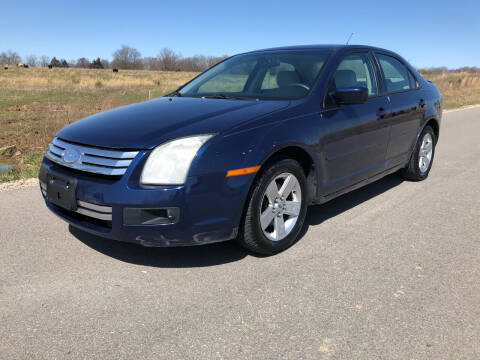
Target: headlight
[(168, 164)]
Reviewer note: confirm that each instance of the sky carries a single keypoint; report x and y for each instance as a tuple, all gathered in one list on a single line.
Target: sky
[(425, 32)]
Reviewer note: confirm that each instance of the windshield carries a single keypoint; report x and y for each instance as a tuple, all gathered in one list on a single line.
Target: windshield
[(264, 75)]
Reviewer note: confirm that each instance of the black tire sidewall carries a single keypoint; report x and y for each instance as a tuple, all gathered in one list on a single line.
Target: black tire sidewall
[(266, 245), (416, 155)]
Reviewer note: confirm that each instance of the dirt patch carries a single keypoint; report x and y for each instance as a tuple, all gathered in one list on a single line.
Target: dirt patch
[(18, 184)]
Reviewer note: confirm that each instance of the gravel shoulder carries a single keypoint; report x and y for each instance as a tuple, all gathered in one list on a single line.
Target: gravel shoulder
[(18, 184)]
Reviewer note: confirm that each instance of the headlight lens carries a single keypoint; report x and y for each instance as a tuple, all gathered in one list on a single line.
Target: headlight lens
[(168, 164)]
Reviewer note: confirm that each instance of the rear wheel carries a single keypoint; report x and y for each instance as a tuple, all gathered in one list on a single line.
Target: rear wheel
[(422, 158), (276, 209)]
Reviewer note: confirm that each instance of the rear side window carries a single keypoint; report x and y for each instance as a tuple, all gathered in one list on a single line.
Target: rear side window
[(356, 70), (413, 81), (397, 77)]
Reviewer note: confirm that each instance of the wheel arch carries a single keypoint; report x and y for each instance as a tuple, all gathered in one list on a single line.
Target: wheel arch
[(433, 123), (294, 152), (299, 154)]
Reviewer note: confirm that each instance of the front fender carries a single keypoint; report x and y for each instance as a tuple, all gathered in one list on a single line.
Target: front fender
[(257, 145)]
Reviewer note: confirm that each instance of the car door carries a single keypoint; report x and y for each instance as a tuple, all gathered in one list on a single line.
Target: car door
[(357, 135), (407, 108)]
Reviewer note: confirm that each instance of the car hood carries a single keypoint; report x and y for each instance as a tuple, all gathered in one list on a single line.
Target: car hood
[(147, 124)]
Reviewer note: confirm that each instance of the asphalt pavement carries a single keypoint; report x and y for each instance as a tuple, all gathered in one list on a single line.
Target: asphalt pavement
[(390, 271)]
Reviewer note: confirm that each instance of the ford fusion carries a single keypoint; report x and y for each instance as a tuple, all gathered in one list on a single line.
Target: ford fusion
[(240, 151)]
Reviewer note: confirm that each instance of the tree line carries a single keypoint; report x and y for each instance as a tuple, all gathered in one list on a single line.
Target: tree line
[(167, 60), (124, 58)]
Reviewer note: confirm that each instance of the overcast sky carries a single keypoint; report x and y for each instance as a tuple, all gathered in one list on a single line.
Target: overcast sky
[(427, 33)]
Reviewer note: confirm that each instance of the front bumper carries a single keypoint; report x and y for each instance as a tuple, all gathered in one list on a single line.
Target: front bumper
[(209, 207)]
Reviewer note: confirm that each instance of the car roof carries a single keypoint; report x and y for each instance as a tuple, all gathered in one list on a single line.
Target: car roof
[(332, 47)]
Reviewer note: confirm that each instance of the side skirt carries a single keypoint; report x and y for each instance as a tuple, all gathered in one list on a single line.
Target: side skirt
[(325, 198)]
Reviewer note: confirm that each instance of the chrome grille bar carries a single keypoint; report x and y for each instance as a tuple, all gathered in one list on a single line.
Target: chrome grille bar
[(91, 159), (95, 211)]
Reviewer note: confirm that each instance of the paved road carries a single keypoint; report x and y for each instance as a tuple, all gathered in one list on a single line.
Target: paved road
[(391, 271)]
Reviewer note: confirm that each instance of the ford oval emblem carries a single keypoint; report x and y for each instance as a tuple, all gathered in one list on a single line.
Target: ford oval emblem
[(71, 155)]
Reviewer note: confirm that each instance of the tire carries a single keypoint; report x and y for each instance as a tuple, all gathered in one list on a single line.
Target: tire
[(267, 240), (414, 170)]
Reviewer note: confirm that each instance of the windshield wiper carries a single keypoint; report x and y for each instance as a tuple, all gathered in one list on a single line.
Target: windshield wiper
[(218, 96), (224, 96)]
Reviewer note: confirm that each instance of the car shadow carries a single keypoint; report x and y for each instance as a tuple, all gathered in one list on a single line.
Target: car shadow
[(166, 257), (229, 251), (317, 214)]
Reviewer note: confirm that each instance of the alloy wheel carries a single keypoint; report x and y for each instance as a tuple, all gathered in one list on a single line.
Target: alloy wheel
[(280, 206), (425, 153)]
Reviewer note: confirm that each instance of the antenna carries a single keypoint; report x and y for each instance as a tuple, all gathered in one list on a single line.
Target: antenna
[(348, 40)]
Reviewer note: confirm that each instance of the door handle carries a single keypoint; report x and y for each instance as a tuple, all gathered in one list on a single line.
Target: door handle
[(381, 113), (422, 103)]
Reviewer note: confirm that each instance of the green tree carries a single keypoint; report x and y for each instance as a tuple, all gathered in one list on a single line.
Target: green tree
[(96, 64), (55, 62)]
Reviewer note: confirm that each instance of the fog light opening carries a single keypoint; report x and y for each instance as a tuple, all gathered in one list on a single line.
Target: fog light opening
[(160, 216)]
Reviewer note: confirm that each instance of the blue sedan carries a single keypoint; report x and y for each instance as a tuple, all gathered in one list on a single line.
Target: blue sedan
[(240, 151)]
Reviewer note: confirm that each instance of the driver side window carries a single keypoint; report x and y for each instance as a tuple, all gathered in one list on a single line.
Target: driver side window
[(356, 70)]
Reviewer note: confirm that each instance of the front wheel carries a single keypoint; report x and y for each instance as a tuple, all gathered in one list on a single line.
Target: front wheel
[(422, 158), (276, 209)]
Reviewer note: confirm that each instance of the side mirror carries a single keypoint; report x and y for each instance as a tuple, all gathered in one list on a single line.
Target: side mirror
[(351, 95)]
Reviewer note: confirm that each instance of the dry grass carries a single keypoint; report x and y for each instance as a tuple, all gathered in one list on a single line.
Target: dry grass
[(37, 102), (458, 88), (87, 79)]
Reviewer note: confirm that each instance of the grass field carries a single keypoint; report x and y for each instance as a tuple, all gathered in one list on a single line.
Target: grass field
[(458, 88), (37, 102)]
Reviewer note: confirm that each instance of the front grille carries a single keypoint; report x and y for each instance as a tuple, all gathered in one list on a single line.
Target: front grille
[(90, 159)]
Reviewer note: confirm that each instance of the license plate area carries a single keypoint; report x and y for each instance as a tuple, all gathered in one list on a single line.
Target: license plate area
[(61, 191)]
